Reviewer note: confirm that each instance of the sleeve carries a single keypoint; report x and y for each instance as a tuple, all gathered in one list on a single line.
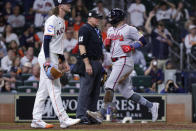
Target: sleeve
[(49, 27), (53, 5), (144, 8), (130, 8), (23, 20), (35, 5), (4, 64), (82, 36), (134, 34)]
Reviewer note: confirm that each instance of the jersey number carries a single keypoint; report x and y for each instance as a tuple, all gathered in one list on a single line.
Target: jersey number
[(80, 38)]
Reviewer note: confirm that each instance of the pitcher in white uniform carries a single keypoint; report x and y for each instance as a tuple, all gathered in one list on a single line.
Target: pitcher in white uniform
[(52, 47), (123, 39)]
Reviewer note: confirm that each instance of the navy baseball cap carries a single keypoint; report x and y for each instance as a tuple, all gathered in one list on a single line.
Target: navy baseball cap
[(94, 14), (65, 1)]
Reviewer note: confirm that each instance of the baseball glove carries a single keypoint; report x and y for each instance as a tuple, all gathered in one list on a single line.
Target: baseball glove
[(52, 72)]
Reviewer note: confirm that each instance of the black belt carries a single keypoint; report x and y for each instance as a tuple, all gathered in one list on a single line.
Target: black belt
[(117, 58)]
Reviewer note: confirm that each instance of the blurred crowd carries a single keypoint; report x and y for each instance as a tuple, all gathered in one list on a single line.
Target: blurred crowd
[(162, 23)]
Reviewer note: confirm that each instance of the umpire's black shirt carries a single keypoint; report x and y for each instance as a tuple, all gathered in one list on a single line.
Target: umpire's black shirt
[(91, 38)]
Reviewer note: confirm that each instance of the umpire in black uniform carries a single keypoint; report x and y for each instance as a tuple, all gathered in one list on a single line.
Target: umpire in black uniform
[(90, 47)]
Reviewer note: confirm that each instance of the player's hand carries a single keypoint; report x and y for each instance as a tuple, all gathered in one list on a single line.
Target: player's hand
[(66, 66), (47, 64), (89, 69)]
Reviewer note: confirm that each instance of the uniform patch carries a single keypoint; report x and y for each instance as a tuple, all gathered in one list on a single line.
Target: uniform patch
[(140, 34), (80, 39), (50, 28)]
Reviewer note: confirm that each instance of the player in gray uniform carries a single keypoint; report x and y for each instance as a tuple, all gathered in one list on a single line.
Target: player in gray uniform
[(123, 39)]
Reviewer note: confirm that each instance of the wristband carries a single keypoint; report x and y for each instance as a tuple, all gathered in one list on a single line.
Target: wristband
[(83, 56)]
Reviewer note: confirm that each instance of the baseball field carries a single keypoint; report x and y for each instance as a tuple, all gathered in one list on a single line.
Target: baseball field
[(159, 126)]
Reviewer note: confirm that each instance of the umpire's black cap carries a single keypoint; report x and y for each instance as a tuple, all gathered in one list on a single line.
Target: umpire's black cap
[(65, 1), (94, 14)]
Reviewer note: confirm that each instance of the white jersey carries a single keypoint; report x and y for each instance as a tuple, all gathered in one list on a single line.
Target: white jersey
[(136, 12), (55, 26), (123, 35)]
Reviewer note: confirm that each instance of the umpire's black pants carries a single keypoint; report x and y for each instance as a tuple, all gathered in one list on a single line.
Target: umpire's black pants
[(89, 90)]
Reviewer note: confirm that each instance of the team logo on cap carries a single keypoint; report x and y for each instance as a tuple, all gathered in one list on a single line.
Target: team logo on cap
[(50, 28), (90, 14)]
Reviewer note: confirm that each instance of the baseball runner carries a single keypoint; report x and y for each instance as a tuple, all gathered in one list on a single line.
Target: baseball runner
[(49, 75), (123, 39)]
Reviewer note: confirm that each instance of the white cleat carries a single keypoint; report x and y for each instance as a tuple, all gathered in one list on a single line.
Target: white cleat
[(41, 124), (96, 115), (154, 110), (69, 122)]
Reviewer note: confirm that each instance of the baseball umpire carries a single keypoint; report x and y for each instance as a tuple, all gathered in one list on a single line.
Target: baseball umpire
[(123, 39), (90, 47)]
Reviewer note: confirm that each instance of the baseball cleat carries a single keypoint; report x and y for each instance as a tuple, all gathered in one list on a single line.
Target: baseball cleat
[(96, 115), (154, 110), (69, 122), (41, 124)]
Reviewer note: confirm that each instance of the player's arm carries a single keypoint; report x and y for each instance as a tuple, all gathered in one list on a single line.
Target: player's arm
[(82, 40), (46, 46), (140, 41), (48, 34)]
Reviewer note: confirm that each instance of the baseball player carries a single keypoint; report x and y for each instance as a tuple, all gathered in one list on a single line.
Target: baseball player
[(123, 39), (48, 57)]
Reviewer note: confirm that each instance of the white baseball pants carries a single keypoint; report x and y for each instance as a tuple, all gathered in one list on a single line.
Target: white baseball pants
[(51, 88), (119, 69)]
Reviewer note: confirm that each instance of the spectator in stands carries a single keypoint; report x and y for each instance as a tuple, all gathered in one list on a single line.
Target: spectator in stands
[(13, 77), (13, 45), (7, 61), (169, 65), (2, 24), (41, 8), (137, 13), (16, 20), (155, 73), (80, 8), (27, 39), (30, 17), (70, 42), (139, 59), (164, 10), (101, 9), (17, 65), (9, 35), (105, 29), (78, 22), (40, 34), (27, 68), (172, 87), (36, 73), (2, 81), (161, 40), (29, 57), (180, 14), (3, 49), (7, 10), (190, 39), (6, 86)]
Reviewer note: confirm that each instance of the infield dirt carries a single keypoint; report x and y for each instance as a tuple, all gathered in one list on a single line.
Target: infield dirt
[(112, 126)]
